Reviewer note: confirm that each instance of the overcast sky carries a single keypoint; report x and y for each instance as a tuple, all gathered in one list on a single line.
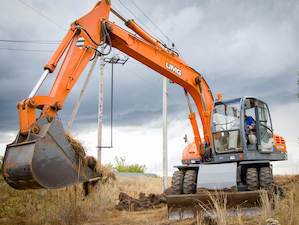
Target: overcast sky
[(243, 48)]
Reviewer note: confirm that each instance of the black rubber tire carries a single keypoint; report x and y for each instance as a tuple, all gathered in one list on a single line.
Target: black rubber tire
[(190, 180), (252, 179), (266, 178), (177, 182)]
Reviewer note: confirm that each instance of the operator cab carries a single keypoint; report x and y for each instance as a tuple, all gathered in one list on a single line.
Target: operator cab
[(240, 125)]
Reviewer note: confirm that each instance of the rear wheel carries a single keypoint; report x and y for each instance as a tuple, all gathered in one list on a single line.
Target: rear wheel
[(189, 186), (252, 179), (177, 182), (266, 178)]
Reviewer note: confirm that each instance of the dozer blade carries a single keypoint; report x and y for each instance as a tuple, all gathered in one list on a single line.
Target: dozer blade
[(182, 207), (45, 160)]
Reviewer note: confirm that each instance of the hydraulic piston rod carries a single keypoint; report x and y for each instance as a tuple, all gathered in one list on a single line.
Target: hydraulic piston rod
[(39, 83)]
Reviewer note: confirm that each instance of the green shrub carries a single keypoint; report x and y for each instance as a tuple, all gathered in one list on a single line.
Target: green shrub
[(121, 166)]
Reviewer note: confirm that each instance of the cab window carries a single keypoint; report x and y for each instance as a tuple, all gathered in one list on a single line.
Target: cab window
[(226, 126)]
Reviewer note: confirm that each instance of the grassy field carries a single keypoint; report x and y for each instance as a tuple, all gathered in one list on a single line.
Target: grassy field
[(69, 206)]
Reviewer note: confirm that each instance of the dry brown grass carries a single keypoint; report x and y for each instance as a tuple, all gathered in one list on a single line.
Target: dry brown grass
[(77, 146), (220, 206), (63, 206), (274, 209), (68, 206), (286, 180)]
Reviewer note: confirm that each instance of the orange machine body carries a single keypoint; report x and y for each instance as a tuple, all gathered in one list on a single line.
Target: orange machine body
[(144, 48), (190, 153), (279, 143)]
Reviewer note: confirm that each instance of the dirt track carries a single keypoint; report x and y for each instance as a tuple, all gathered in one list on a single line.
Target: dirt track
[(147, 217), (147, 209)]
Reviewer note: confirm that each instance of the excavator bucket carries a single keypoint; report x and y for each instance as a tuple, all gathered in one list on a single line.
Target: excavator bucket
[(182, 207), (44, 160)]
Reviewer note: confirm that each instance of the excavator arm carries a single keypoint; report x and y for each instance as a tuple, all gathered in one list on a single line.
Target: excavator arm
[(41, 146), (76, 58)]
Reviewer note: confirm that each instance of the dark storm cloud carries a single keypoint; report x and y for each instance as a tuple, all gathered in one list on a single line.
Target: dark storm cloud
[(242, 48)]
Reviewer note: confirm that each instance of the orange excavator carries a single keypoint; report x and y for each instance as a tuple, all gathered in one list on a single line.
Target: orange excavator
[(234, 153)]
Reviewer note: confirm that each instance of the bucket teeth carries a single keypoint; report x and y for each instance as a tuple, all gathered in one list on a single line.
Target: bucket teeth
[(46, 160)]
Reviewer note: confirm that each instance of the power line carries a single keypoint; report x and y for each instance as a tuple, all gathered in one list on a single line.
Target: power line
[(161, 31), (138, 18), (151, 83), (30, 41), (41, 14), (151, 21), (134, 63), (26, 50)]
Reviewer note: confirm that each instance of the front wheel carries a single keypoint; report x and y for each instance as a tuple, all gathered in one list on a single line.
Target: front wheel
[(266, 178), (189, 186), (177, 182), (252, 179)]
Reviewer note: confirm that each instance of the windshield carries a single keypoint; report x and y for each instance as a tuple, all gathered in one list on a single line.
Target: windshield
[(264, 115), (226, 115), (265, 127), (226, 126)]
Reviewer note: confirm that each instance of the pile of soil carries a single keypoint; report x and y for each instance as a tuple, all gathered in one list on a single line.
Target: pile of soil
[(152, 201), (77, 146), (101, 171), (105, 173), (90, 161)]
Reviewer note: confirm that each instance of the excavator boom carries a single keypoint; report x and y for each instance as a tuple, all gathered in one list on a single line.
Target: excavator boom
[(42, 145)]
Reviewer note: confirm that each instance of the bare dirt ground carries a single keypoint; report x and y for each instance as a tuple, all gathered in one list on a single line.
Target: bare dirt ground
[(148, 217)]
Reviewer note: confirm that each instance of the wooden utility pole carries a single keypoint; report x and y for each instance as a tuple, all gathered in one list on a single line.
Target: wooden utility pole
[(113, 60), (100, 108)]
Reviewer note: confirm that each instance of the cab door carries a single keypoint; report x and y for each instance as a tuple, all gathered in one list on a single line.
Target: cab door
[(226, 126), (264, 128)]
